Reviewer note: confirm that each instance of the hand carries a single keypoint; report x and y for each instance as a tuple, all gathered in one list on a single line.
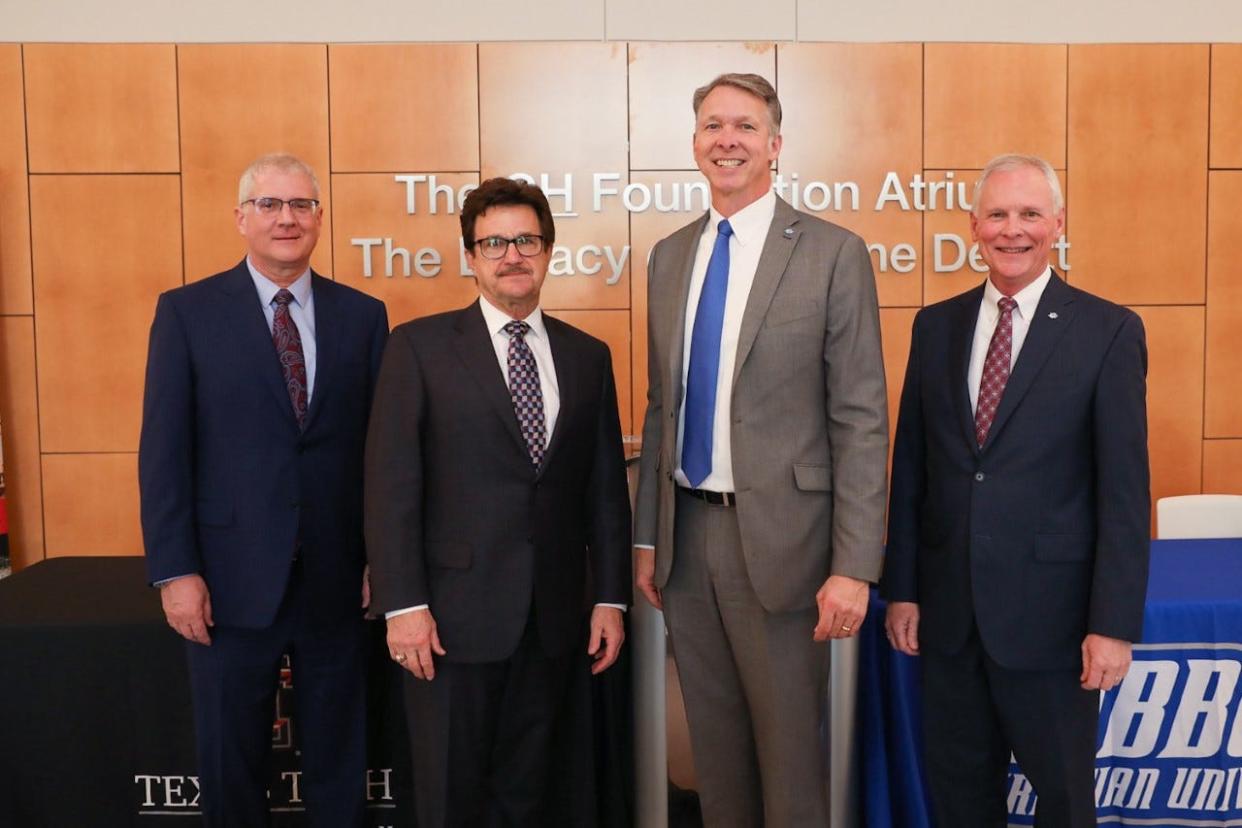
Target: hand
[(187, 606), (1104, 662), (607, 630), (412, 639), (901, 622), (366, 586), (842, 604), (644, 576)]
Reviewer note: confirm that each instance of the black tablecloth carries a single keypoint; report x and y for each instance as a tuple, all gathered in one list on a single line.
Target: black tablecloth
[(95, 724)]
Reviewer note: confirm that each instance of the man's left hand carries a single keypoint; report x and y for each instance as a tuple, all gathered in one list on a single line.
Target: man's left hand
[(607, 633), (1104, 662), (366, 586), (842, 604)]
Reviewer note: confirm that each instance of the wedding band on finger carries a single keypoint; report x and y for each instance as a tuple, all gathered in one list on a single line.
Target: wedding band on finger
[(846, 627), (400, 658)]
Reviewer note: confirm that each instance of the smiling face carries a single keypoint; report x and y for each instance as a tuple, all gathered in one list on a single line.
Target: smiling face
[(280, 245), (734, 147), (1015, 224), (510, 283)]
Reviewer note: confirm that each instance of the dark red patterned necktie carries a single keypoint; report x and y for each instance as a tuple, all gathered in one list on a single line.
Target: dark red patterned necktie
[(289, 350), (995, 370), (526, 392)]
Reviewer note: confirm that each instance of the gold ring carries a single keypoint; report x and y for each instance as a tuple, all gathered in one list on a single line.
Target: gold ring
[(400, 658), (846, 627)]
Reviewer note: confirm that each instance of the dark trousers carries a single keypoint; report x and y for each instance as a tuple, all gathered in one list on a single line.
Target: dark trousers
[(975, 712), (481, 734), (233, 682)]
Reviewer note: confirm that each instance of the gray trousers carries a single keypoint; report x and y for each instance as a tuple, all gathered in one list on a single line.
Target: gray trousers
[(754, 682)]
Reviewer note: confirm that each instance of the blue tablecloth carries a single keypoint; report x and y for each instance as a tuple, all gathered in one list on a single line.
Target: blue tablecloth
[(1170, 735)]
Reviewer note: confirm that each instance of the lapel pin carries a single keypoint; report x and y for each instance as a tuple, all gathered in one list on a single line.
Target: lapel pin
[(1052, 315), (788, 231)]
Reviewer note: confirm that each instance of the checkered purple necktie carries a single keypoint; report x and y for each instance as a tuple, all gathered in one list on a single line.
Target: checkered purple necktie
[(289, 349), (995, 370), (525, 390)]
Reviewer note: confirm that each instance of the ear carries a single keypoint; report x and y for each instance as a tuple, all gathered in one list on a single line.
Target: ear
[(240, 216), (1060, 222), (974, 227)]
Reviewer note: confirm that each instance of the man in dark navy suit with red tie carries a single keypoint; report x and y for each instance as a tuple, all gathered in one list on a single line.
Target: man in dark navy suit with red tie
[(258, 391), (1019, 520)]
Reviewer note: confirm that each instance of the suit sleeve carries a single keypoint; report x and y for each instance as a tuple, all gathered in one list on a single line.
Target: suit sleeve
[(1123, 494), (166, 450), (608, 498), (393, 481), (857, 414), (900, 581), (647, 501)]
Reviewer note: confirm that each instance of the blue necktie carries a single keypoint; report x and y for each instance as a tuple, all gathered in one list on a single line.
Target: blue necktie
[(696, 441)]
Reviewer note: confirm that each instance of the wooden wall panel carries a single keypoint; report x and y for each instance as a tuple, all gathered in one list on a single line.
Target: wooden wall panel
[(102, 108), (373, 206), (984, 99), (1222, 466), (645, 230), (1138, 150), (663, 77), (1226, 137), (15, 290), (407, 107), (103, 523), (95, 308), (836, 93), (1174, 398), (613, 327), (895, 329), (19, 416), (1223, 402), (228, 119), (589, 81)]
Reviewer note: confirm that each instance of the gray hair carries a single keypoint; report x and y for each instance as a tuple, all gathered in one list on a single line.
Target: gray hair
[(1015, 161), (756, 85), (279, 161)]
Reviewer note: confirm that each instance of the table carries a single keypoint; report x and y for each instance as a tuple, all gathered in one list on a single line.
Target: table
[(1170, 735), (95, 723)]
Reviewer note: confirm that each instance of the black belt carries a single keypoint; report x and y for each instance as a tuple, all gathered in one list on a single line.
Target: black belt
[(714, 498)]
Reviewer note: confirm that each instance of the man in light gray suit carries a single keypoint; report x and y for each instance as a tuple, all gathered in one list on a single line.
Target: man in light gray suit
[(761, 498)]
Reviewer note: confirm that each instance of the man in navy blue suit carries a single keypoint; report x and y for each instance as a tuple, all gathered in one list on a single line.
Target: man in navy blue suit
[(258, 390), (1019, 520)]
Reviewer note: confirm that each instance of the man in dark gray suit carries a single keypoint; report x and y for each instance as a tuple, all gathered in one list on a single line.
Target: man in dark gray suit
[(761, 498)]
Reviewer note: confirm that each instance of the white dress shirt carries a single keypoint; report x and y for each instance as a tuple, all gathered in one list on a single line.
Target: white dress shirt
[(985, 325), (537, 341), (750, 231), (302, 309)]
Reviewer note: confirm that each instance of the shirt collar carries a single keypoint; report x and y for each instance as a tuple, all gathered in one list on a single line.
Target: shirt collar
[(496, 319), (301, 287), (751, 223), (1027, 298)]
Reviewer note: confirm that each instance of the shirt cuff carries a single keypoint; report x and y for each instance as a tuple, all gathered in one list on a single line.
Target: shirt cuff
[(395, 613), (166, 581), (621, 607), (643, 546)]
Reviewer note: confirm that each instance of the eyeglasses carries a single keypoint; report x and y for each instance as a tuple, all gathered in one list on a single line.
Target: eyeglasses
[(268, 206), (495, 247)]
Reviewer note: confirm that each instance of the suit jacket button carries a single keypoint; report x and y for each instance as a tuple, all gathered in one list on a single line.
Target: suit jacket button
[(979, 477)]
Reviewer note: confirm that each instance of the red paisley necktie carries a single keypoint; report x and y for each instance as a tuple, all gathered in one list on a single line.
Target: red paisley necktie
[(995, 370)]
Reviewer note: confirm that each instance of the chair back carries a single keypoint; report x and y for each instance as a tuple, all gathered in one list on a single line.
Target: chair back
[(1199, 516)]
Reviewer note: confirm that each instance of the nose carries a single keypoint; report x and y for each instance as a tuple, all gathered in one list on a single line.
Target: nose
[(511, 253), (1013, 227), (285, 216)]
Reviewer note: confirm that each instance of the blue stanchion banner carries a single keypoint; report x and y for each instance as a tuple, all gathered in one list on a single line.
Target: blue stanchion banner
[(4, 515), (1170, 741)]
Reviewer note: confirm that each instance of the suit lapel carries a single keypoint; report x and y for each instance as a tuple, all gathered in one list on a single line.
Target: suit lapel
[(681, 293), (255, 338), (474, 346), (961, 337), (779, 245), (568, 384), (1052, 319), (327, 342)]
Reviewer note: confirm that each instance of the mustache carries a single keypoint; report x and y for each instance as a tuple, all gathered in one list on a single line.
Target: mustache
[(509, 270)]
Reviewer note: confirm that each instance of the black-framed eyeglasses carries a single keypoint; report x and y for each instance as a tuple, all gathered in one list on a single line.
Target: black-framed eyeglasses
[(495, 247), (269, 206)]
